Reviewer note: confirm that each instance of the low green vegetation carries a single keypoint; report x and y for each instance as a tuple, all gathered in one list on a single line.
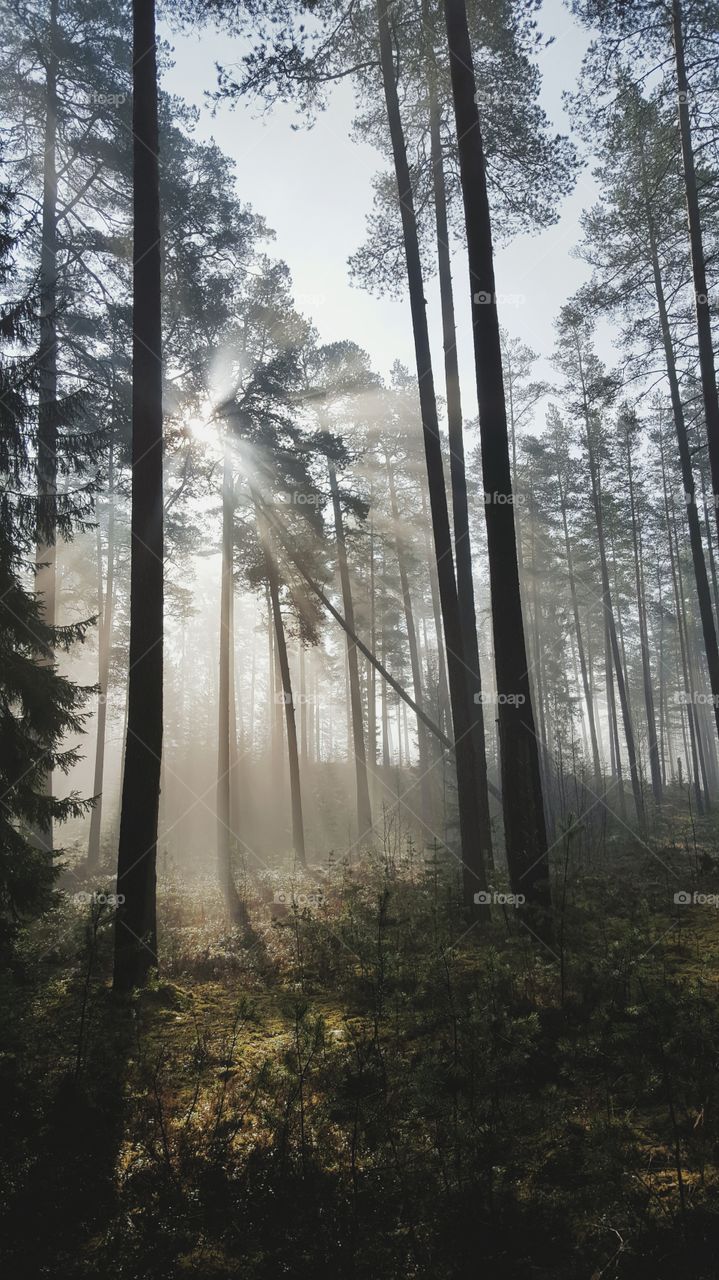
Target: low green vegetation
[(369, 1086)]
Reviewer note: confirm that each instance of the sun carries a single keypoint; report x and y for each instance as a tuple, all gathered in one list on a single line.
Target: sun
[(202, 429)]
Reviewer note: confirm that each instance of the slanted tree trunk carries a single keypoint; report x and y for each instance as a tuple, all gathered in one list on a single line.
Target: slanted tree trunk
[(419, 711), (701, 292), (473, 854), (364, 811), (47, 433), (105, 612), (524, 821), (136, 927)]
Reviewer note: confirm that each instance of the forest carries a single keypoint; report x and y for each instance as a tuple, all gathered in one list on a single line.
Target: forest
[(359, 671)]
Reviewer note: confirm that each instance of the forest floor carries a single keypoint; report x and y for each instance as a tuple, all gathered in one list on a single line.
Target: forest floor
[(371, 1087)]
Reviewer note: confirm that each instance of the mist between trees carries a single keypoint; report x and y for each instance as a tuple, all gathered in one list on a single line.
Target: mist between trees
[(317, 683)]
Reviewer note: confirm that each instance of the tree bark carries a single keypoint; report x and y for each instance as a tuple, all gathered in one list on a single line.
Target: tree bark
[(609, 613), (371, 657), (588, 699), (415, 666), (47, 434), (687, 470), (654, 763), (234, 906), (701, 292), (473, 854), (524, 821), (364, 811), (298, 830), (136, 926), (679, 607), (457, 472), (103, 674)]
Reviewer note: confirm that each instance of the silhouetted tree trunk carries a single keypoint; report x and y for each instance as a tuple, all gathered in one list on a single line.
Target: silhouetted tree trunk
[(695, 535), (458, 478), (105, 611), (701, 292), (47, 434), (364, 811), (234, 906), (524, 821), (298, 830), (473, 855), (654, 764), (616, 653), (303, 702), (414, 662), (679, 608), (136, 927), (445, 710), (371, 674), (588, 698), (693, 706)]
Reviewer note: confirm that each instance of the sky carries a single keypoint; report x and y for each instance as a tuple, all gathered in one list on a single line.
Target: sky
[(314, 189)]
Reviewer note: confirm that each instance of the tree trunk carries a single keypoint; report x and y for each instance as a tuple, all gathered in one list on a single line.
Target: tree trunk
[(473, 854), (234, 906), (298, 830), (695, 534), (445, 710), (303, 702), (105, 611), (458, 478), (609, 613), (693, 709), (136, 927), (524, 821), (654, 763), (415, 667), (588, 699), (47, 434), (371, 657), (371, 673), (679, 607), (701, 292), (364, 811)]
